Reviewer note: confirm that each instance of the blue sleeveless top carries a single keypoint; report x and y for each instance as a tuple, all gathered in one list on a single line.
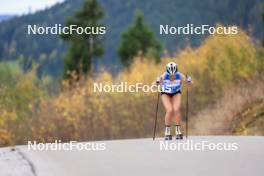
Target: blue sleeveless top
[(169, 86)]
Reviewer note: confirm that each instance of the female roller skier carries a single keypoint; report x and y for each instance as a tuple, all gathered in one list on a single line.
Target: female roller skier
[(171, 82)]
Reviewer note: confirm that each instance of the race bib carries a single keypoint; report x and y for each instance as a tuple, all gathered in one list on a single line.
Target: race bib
[(171, 86)]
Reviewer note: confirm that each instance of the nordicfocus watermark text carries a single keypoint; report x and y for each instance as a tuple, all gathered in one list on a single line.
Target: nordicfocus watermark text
[(191, 145), (72, 145), (125, 87), (60, 29), (191, 29)]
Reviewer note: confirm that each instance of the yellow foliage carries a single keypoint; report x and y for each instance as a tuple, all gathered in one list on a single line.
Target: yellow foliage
[(78, 113)]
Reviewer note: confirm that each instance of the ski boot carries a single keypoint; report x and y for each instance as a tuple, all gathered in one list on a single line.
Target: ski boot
[(179, 136), (168, 137)]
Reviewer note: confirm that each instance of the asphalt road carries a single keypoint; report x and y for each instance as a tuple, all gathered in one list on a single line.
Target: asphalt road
[(145, 157)]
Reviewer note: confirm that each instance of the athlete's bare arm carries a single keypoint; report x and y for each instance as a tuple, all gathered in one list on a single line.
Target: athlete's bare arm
[(184, 79)]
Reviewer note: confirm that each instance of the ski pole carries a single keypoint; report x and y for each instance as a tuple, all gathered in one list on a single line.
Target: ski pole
[(155, 124), (187, 109)]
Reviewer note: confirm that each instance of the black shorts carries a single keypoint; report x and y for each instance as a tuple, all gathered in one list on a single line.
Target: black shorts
[(171, 94)]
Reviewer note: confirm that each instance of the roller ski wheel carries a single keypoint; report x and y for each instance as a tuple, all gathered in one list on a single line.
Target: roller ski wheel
[(168, 137), (179, 136)]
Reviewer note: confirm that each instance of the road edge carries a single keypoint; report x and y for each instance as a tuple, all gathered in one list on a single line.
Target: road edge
[(25, 157)]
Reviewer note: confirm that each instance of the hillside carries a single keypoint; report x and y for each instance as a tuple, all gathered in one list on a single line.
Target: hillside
[(250, 120), (48, 50), (240, 111)]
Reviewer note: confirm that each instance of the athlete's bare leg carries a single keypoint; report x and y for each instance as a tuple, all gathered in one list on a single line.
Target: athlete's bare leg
[(167, 103), (176, 101)]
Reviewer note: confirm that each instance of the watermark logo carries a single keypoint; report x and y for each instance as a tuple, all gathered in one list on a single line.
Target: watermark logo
[(191, 145), (191, 29), (60, 29), (125, 87), (72, 145)]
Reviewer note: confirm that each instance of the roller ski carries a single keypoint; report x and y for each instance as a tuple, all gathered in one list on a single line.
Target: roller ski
[(168, 135), (178, 134)]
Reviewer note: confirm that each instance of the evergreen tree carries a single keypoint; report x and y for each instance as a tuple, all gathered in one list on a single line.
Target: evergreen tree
[(83, 47), (138, 39)]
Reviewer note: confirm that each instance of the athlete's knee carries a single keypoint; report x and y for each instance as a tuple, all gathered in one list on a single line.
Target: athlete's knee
[(176, 111), (169, 110)]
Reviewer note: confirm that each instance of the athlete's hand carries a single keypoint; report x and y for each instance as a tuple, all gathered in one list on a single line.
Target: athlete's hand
[(158, 80), (188, 81)]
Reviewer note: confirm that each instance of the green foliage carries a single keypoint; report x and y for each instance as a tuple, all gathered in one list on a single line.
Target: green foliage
[(19, 94), (8, 72), (260, 59), (86, 46), (138, 38)]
